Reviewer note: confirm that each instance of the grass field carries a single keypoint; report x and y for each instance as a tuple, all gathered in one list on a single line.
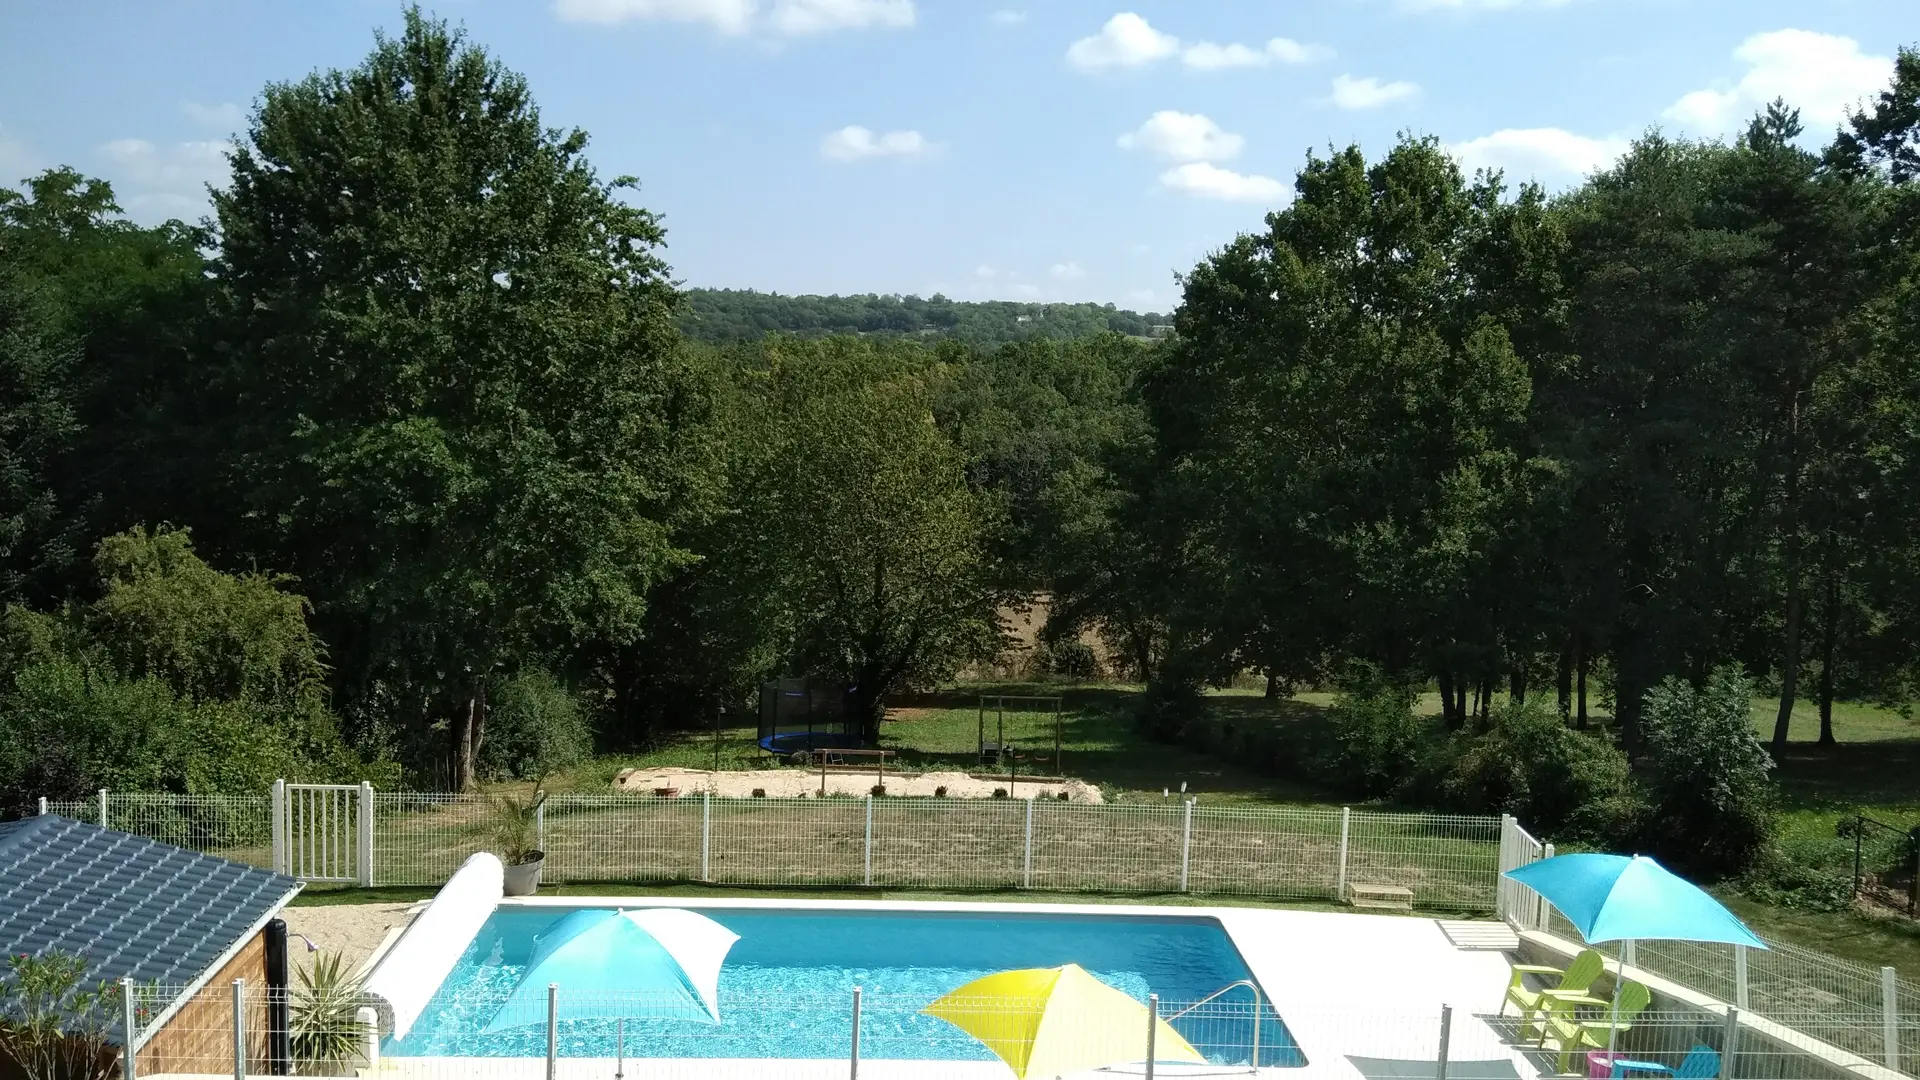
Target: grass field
[(1875, 769)]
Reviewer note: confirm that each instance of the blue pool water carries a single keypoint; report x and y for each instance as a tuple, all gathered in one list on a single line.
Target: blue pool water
[(786, 989)]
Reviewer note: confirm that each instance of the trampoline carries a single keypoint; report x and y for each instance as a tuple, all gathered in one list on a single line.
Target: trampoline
[(799, 718)]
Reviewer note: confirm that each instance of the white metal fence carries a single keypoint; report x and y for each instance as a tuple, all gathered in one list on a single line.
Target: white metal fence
[(239, 1030), (368, 837)]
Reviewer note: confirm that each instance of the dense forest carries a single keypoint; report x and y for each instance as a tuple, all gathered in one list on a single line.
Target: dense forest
[(723, 315), (412, 460)]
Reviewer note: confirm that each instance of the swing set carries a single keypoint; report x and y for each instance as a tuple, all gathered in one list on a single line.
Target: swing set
[(999, 750)]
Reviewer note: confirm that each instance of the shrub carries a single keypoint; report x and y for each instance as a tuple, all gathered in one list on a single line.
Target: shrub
[(877, 790), (759, 793), (54, 1027), (940, 792), (1169, 707), (1073, 659), (999, 793), (535, 726), (322, 1012), (1712, 797), (1808, 873), (1373, 739), (1531, 765)]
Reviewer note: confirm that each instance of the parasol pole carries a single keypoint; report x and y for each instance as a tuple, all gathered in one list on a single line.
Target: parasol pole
[(1613, 1018)]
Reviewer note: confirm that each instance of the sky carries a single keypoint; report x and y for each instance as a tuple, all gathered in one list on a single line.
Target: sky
[(1056, 150)]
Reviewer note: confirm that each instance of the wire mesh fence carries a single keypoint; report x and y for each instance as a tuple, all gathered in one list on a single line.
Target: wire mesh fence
[(533, 1031)]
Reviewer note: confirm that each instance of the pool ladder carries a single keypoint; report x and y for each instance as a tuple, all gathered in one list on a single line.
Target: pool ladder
[(1223, 991)]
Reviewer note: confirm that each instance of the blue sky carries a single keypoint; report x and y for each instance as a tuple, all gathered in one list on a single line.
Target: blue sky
[(1045, 149)]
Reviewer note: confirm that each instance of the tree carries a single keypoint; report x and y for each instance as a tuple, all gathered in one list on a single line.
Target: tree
[(1712, 792), (453, 351), (36, 425)]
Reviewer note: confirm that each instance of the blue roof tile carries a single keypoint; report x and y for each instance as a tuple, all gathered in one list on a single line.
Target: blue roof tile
[(129, 905)]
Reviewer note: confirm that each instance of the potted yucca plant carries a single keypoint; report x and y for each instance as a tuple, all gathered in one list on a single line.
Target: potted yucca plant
[(323, 1022), (516, 839)]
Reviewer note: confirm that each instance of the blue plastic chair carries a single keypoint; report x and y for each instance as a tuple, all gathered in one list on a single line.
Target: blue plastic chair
[(1701, 1063)]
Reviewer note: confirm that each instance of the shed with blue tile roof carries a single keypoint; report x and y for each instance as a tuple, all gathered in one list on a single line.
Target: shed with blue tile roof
[(178, 921)]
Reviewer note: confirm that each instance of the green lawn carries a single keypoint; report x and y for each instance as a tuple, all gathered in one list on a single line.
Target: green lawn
[(1873, 770)]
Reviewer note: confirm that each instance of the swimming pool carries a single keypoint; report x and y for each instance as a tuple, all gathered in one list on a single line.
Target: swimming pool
[(786, 988)]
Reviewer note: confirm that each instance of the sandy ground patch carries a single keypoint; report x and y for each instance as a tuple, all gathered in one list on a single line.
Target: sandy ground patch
[(799, 784), (353, 930)]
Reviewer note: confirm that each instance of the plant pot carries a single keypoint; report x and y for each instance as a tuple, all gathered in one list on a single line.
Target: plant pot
[(523, 877)]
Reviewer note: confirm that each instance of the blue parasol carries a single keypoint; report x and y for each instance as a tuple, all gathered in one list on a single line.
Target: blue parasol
[(612, 964)]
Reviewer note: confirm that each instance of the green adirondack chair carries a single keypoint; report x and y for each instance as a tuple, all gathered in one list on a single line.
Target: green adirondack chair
[(1569, 1033), (1536, 1005)]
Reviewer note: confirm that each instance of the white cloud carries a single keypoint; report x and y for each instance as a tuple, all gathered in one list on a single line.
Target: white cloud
[(1125, 41), (726, 16), (1178, 136), (1369, 93), (1820, 74), (1007, 17), (983, 272), (17, 160), (156, 181), (1207, 56), (226, 116), (1539, 153), (797, 17), (856, 143), (1068, 271), (1213, 182), (789, 18)]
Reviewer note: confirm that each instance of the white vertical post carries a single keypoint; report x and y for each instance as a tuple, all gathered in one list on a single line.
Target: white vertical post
[(279, 826), (1729, 1044), (369, 1022), (540, 824), (129, 1028), (706, 835), (1340, 874), (553, 1029), (867, 874), (239, 1029), (1890, 1015), (1502, 888), (1627, 955), (364, 835), (853, 1060), (1740, 976), (1026, 861), (1186, 843), (1446, 1037), (103, 808), (1540, 902), (43, 806), (1153, 1026)]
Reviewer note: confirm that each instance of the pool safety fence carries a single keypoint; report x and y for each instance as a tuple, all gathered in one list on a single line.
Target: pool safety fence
[(357, 835), (553, 1032)]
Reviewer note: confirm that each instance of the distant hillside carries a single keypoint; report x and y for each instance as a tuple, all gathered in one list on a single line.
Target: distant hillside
[(720, 315)]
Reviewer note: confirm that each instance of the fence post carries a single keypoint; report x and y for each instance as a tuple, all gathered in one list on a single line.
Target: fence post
[(1446, 1037), (103, 808), (1503, 863), (1729, 1044), (1540, 906), (1026, 860), (1186, 843), (43, 806), (1153, 1024), (706, 835), (364, 835), (867, 873), (853, 1061), (1740, 976), (1340, 874), (129, 1027), (369, 1022), (239, 1029), (553, 1028), (1890, 1015), (279, 826)]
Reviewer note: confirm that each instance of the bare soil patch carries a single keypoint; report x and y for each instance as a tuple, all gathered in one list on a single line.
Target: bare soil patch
[(804, 783)]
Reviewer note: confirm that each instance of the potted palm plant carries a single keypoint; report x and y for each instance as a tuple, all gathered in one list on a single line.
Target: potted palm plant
[(325, 1035), (516, 839)]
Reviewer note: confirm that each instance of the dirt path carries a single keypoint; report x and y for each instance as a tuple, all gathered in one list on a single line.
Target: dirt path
[(798, 783), (353, 930)]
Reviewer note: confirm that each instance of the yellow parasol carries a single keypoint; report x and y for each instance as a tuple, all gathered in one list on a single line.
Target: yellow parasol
[(1050, 1022)]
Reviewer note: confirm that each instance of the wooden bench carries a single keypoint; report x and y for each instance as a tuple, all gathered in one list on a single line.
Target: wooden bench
[(1384, 897)]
